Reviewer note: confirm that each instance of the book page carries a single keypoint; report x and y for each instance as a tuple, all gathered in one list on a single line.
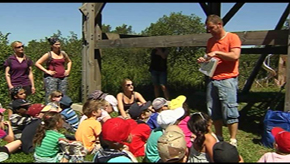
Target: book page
[(208, 68)]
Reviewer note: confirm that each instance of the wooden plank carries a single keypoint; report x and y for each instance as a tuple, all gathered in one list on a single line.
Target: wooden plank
[(232, 12), (287, 94), (99, 7), (113, 36), (265, 50), (204, 7), (84, 9), (89, 52), (271, 37)]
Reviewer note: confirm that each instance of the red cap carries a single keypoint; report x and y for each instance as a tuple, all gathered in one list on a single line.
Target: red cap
[(117, 129), (35, 109), (282, 139)]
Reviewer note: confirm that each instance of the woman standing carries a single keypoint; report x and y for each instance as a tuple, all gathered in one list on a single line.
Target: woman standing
[(58, 67), (128, 97), (18, 69)]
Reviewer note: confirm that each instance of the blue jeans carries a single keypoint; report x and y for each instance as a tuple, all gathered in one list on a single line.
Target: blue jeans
[(222, 100), (159, 77)]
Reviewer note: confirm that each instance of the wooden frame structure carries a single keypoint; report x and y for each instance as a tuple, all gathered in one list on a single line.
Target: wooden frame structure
[(276, 41)]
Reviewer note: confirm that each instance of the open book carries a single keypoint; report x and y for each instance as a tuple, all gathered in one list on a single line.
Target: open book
[(208, 68)]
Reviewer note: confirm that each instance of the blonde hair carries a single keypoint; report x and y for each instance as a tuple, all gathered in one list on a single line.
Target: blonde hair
[(13, 44), (53, 94), (124, 82)]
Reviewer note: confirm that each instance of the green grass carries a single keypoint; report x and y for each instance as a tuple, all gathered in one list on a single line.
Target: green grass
[(249, 136)]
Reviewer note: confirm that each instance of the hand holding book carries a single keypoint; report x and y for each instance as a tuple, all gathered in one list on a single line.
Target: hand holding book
[(208, 67)]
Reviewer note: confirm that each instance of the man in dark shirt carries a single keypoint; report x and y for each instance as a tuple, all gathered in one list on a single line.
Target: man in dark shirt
[(158, 70)]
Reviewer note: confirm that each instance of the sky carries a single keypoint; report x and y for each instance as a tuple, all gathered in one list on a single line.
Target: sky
[(35, 21)]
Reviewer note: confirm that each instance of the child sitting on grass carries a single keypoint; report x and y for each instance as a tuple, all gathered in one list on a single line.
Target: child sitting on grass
[(19, 119), (55, 96), (47, 137), (203, 138), (281, 145), (89, 129), (69, 115), (16, 93), (7, 135)]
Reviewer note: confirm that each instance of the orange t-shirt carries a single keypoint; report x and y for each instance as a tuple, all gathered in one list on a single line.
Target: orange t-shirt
[(88, 132), (225, 69)]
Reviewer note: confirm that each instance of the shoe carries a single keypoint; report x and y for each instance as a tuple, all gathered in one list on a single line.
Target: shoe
[(234, 142), (3, 156)]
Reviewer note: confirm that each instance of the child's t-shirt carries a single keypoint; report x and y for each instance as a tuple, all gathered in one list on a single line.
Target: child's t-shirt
[(71, 117), (140, 134), (152, 121), (274, 157), (49, 146), (18, 123), (3, 134), (88, 132), (151, 150)]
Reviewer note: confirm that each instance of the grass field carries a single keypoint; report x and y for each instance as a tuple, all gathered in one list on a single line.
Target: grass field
[(249, 136)]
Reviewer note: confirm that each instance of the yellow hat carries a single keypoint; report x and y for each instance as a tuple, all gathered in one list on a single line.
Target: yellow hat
[(51, 107), (177, 102)]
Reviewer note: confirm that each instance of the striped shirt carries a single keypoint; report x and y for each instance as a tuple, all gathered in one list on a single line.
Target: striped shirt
[(49, 146), (18, 123), (71, 117)]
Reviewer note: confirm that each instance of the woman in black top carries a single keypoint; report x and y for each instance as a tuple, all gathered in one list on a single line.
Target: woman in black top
[(128, 97), (158, 70)]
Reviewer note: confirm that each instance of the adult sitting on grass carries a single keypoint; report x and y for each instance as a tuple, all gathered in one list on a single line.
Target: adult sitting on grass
[(128, 97), (7, 135)]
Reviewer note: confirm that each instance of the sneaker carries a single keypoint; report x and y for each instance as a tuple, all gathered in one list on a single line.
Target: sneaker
[(3, 156), (234, 142)]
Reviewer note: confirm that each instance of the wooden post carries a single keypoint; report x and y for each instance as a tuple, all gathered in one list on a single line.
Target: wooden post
[(287, 87), (85, 11), (91, 73)]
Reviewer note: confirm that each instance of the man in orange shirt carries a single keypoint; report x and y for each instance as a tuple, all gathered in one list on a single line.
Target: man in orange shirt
[(222, 87)]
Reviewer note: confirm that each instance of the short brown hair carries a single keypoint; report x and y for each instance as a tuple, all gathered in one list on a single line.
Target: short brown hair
[(214, 19), (92, 105)]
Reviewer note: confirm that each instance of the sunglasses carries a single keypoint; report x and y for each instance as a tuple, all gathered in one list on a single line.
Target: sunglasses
[(58, 95), (20, 47), (128, 85)]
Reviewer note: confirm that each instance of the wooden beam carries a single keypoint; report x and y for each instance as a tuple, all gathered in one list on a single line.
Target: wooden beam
[(272, 37), (283, 18), (215, 8), (260, 61), (287, 94), (84, 10), (232, 12), (113, 36), (205, 8), (99, 8), (267, 50), (89, 66)]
